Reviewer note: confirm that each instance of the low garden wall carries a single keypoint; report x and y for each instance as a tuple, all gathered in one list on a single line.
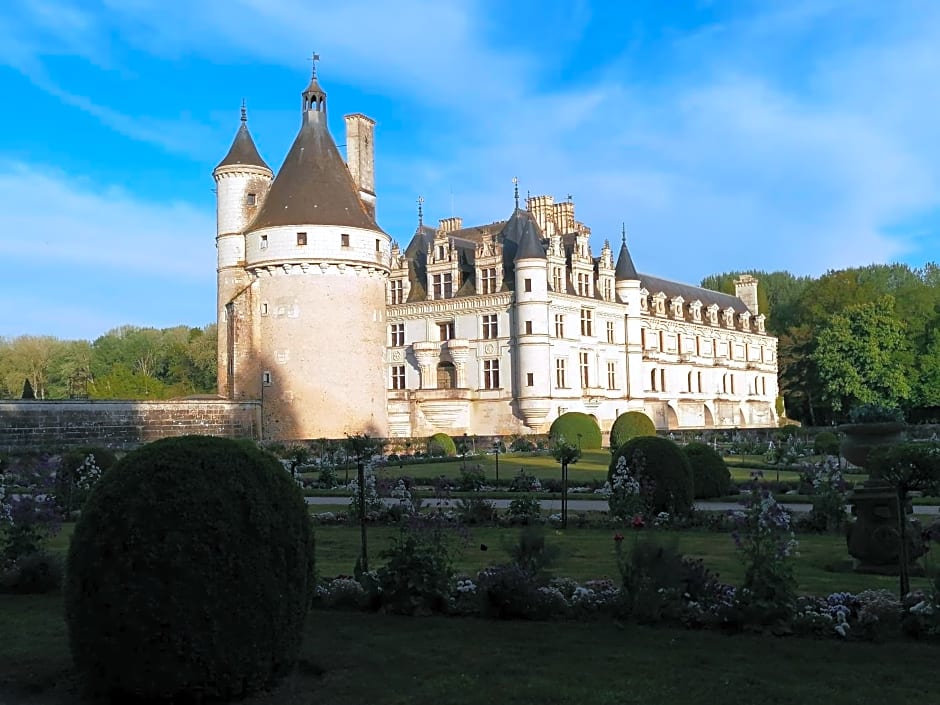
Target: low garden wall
[(29, 424)]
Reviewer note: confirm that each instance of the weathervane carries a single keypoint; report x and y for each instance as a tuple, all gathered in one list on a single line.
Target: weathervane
[(244, 111), (314, 60)]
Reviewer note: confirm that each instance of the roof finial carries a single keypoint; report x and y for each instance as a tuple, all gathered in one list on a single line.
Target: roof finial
[(623, 233), (515, 188), (316, 58), (420, 212), (244, 111)]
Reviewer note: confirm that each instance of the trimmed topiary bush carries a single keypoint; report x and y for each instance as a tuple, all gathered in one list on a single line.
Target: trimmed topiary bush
[(826, 443), (442, 444), (663, 470), (189, 572), (630, 425), (576, 427), (710, 475)]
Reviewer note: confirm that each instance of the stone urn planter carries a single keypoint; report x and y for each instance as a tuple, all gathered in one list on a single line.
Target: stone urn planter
[(859, 438), (873, 539)]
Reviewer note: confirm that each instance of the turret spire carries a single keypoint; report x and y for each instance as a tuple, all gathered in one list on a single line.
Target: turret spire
[(623, 233), (420, 212), (314, 98), (515, 188), (244, 111), (243, 150)]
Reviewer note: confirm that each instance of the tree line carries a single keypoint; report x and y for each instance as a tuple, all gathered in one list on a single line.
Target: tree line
[(128, 362), (853, 336)]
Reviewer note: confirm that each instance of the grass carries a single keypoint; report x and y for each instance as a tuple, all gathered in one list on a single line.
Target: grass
[(354, 658)]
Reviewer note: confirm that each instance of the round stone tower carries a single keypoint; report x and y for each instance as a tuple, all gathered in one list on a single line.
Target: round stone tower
[(319, 264), (242, 180), (531, 322)]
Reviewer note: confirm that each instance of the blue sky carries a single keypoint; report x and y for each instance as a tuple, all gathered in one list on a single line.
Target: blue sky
[(797, 135)]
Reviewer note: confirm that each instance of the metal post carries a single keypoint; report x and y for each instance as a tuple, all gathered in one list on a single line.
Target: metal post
[(564, 494), (362, 514), (496, 449)]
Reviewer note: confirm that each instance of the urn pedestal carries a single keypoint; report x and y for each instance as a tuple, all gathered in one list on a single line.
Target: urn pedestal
[(873, 539)]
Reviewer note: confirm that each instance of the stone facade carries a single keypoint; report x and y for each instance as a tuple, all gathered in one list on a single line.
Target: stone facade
[(121, 424), (486, 330)]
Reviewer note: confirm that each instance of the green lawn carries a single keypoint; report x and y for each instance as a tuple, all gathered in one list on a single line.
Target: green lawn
[(354, 658)]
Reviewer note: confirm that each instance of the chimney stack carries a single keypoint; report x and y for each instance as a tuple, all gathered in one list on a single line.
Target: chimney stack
[(360, 157)]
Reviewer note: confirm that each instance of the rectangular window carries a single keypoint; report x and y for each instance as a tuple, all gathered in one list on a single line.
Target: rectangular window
[(584, 284), (442, 285), (266, 379), (397, 334), (251, 199), (398, 377), (488, 281), (301, 238), (530, 379), (610, 331), (264, 242), (583, 364), (445, 330), (264, 308), (491, 374), (587, 321), (528, 327), (490, 326), (559, 325), (608, 291), (527, 284), (344, 239), (611, 375), (561, 373), (557, 282), (396, 291), (378, 245)]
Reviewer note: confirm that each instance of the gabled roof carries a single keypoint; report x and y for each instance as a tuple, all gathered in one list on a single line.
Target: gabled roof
[(243, 150), (313, 185)]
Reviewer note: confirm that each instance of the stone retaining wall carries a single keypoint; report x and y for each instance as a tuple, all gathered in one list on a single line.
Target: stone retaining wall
[(121, 424)]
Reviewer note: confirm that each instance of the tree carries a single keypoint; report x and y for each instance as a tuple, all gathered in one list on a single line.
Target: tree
[(864, 357), (566, 454)]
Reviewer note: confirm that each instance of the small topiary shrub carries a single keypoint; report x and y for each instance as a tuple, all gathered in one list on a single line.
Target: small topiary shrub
[(442, 444), (578, 428), (630, 425), (663, 470), (826, 443), (710, 475), (189, 572)]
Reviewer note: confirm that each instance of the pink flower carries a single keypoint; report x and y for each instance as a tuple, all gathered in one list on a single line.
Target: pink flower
[(618, 537), (638, 522)]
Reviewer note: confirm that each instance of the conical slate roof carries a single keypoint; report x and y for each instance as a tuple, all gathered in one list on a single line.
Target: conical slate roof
[(313, 186), (530, 246), (243, 150), (625, 268)]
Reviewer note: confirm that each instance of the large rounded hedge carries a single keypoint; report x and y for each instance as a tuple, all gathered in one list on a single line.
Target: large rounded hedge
[(442, 444), (710, 475), (576, 427), (662, 467), (190, 572), (630, 425)]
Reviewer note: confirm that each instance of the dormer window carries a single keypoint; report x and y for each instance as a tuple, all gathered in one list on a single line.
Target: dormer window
[(713, 314), (659, 304), (676, 305), (696, 310), (440, 252), (728, 317), (251, 199), (644, 301)]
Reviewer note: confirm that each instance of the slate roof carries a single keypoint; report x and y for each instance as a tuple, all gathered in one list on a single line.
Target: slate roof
[(690, 293), (625, 268), (313, 185), (243, 150)]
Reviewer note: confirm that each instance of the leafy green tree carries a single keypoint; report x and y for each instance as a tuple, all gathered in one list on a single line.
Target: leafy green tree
[(863, 356)]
